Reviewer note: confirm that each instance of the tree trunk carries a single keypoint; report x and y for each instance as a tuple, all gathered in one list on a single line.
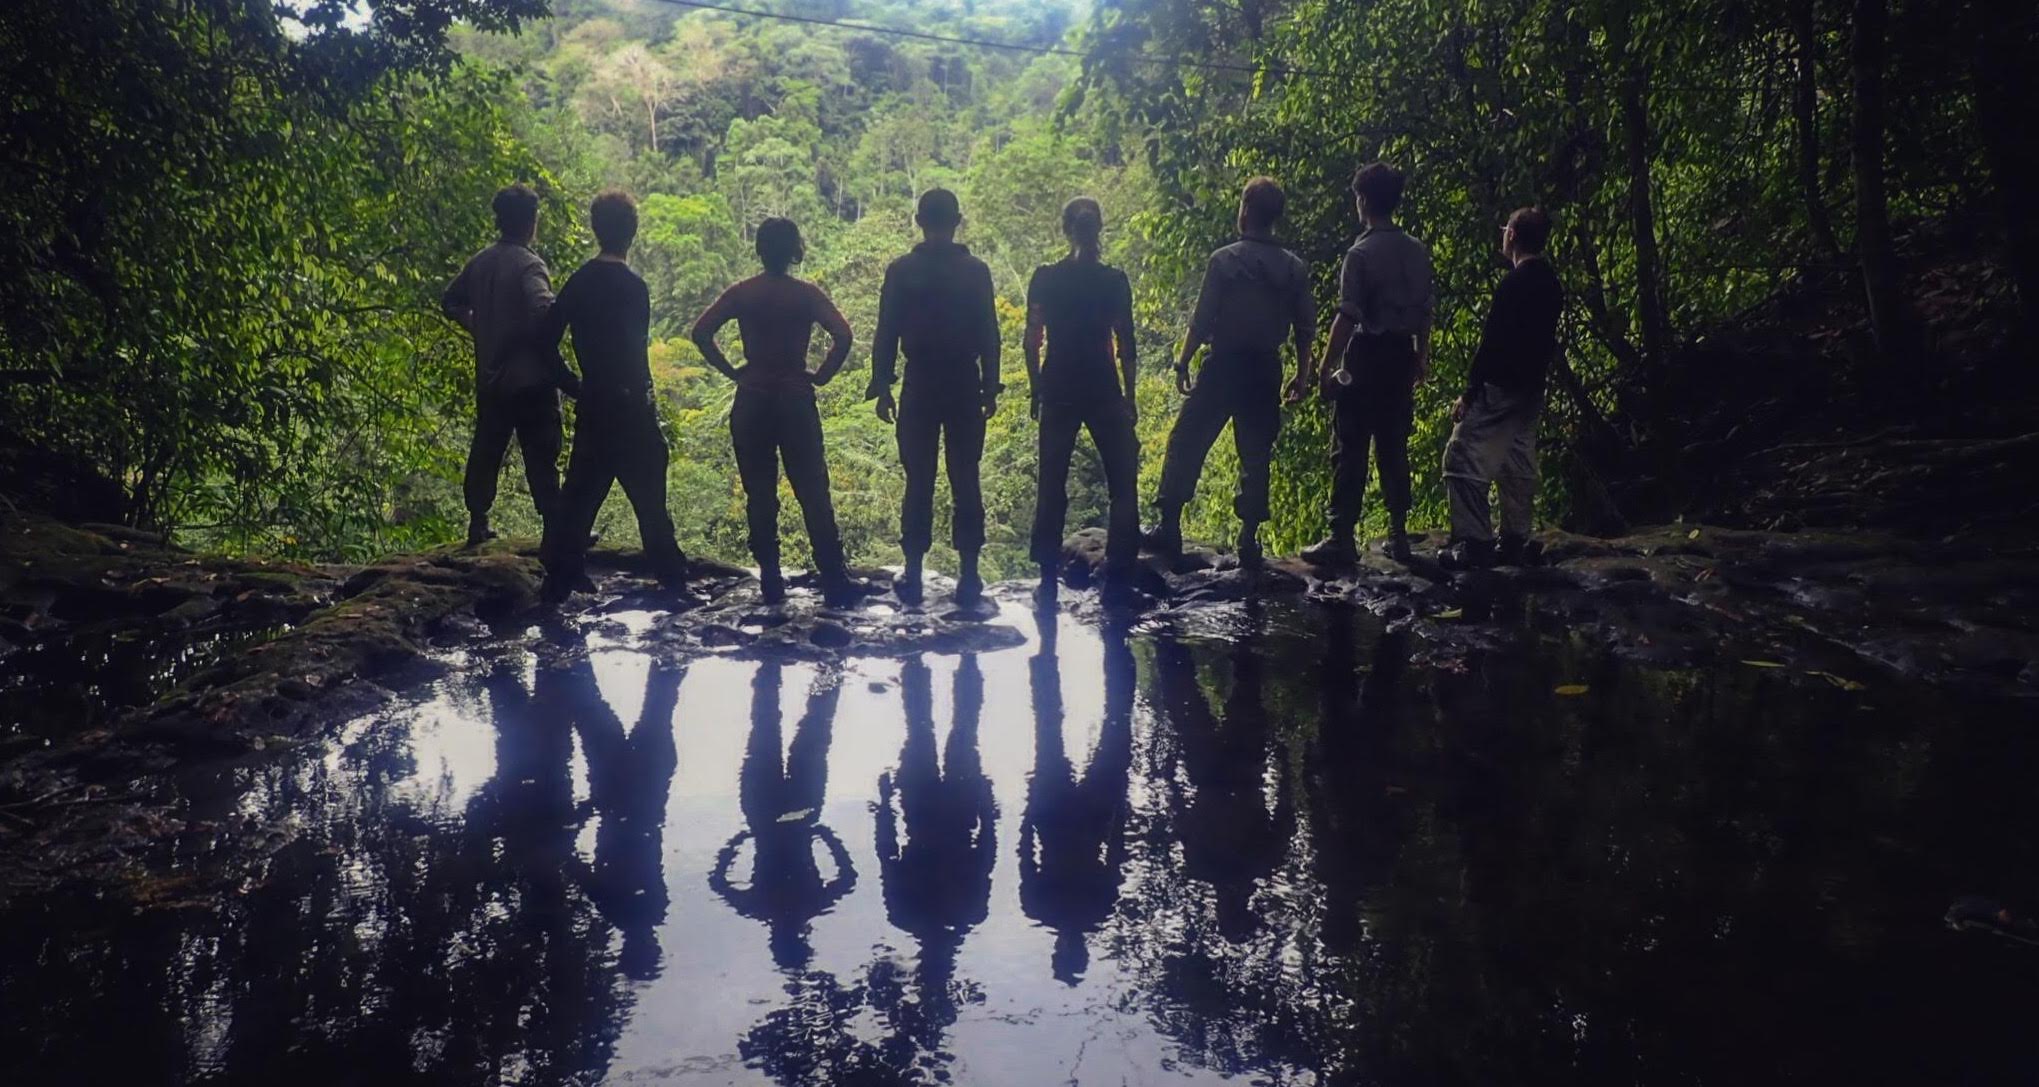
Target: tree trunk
[(1805, 114), (2005, 86), (1880, 277), (1635, 126)]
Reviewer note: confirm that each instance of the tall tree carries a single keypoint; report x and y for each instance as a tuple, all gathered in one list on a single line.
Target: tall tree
[(1881, 277)]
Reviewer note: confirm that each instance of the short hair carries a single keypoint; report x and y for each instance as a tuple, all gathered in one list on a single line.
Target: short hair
[(614, 217), (779, 244), (1263, 202), (516, 208), (1082, 220), (1380, 185), (938, 208), (1532, 229)]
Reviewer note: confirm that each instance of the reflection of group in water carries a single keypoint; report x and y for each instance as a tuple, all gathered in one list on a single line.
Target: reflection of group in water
[(936, 308), (1225, 791)]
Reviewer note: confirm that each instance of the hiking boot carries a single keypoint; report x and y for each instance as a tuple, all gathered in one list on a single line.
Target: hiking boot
[(1398, 539), (908, 584), (478, 531), (1050, 587), (1333, 550), (840, 590), (1119, 591), (1467, 555), (969, 583), (1250, 555), (1166, 536), (557, 588), (772, 586), (1510, 553)]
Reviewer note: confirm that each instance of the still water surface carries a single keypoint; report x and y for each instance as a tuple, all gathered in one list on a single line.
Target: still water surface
[(1273, 848)]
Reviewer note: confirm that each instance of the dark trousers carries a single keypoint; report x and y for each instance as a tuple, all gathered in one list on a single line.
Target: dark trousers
[(954, 421), (1111, 428), (1244, 390), (1378, 408), (616, 439), (532, 415), (769, 427)]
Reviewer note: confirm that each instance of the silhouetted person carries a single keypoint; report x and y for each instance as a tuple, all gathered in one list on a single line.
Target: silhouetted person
[(781, 798), (1072, 850), (500, 298), (936, 306), (1493, 439), (937, 877), (629, 779), (1355, 824), (1380, 348), (1080, 307), (616, 434), (1255, 295), (1230, 839), (774, 415)]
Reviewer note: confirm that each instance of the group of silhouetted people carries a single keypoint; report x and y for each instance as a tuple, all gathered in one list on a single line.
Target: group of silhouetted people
[(937, 309)]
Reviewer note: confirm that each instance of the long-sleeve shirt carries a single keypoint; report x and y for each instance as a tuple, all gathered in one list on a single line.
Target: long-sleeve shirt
[(936, 307), (500, 296), (1385, 284), (1255, 294), (1520, 337)]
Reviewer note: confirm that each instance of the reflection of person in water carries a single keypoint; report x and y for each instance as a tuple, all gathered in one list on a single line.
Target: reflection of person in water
[(629, 778), (1355, 824), (937, 881), (781, 801), (1072, 833), (1231, 838)]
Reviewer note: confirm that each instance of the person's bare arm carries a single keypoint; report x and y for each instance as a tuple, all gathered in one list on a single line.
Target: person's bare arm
[(1036, 335), (832, 322), (720, 312)]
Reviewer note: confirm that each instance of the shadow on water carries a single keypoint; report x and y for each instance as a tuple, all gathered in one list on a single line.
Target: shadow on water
[(1282, 846)]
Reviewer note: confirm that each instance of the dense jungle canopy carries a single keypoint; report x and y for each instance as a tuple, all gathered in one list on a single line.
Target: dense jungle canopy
[(227, 223)]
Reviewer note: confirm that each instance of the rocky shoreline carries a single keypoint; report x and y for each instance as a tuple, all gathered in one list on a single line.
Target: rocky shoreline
[(234, 659)]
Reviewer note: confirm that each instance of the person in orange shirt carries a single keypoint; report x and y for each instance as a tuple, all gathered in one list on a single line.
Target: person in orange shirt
[(774, 415)]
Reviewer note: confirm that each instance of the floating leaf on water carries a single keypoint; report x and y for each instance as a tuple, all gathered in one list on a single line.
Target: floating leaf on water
[(1451, 613), (1570, 689), (1763, 664), (1843, 682), (1692, 535), (796, 816)]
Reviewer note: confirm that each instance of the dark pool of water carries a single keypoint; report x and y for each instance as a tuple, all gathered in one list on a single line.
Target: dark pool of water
[(66, 684), (1282, 851)]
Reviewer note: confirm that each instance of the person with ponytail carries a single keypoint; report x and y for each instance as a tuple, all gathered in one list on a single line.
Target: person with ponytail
[(1081, 309)]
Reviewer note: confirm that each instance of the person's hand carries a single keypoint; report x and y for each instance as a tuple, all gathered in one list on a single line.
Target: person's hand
[(1327, 384), (888, 409), (1184, 383), (1458, 410), (1298, 389), (990, 404), (1034, 406), (820, 378), (1422, 370)]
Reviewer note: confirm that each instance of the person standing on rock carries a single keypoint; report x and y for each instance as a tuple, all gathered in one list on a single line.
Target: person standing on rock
[(500, 297), (1493, 437), (1255, 295), (1380, 343), (774, 415), (616, 436), (936, 307), (1080, 307)]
